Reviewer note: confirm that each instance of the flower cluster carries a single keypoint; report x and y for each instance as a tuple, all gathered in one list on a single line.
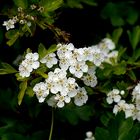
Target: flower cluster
[(130, 109), (65, 67), (22, 17), (28, 64)]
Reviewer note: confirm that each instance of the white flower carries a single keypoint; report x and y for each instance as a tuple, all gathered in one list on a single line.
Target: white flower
[(98, 56), (9, 24), (64, 63), (87, 54), (50, 60), (71, 86), (78, 68), (135, 114), (90, 80), (129, 111), (112, 57), (32, 56), (65, 51), (121, 106), (113, 96), (107, 44), (81, 97), (51, 85), (31, 62), (78, 54), (24, 71), (41, 91), (89, 136), (61, 100), (56, 80), (136, 91)]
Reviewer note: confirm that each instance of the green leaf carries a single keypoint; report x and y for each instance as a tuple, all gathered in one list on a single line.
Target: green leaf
[(51, 5), (105, 118), (44, 75), (132, 16), (36, 80), (89, 2), (116, 35), (7, 69), (125, 128), (121, 51), (132, 75), (42, 51), (29, 91), (20, 78), (74, 4), (23, 87), (52, 49), (133, 133), (134, 36), (136, 54), (26, 28), (101, 134), (120, 68), (117, 21), (84, 112), (12, 36), (89, 90), (21, 3)]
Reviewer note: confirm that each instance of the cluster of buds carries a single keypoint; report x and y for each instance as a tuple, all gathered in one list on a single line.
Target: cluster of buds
[(23, 17)]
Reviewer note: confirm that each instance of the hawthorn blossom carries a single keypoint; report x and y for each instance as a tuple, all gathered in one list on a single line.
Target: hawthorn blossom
[(136, 91), (49, 60), (41, 91), (113, 96), (81, 97), (98, 56), (106, 45), (9, 24), (90, 80), (28, 64), (61, 100), (112, 57), (78, 68), (64, 51), (71, 86), (120, 106)]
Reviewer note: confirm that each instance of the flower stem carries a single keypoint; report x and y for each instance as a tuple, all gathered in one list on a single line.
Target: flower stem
[(52, 123)]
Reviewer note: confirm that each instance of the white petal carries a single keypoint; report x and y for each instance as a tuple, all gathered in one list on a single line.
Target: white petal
[(109, 100), (60, 104)]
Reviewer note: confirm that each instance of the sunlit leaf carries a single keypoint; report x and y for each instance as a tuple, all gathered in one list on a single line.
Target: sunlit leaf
[(23, 87), (42, 50), (51, 5), (7, 69)]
